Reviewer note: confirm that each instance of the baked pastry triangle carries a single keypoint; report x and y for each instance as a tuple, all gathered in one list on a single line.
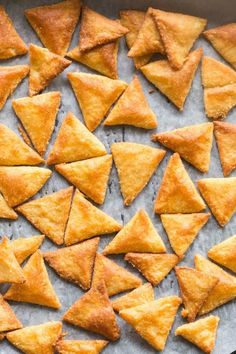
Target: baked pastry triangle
[(89, 176), (44, 67), (40, 339), (23, 247), (224, 253), (50, 213), (223, 40), (80, 346), (74, 263), (93, 312), (225, 289), (13, 151), (195, 287), (153, 321), (193, 143), (138, 235), (55, 24), (177, 193), (102, 59), (27, 181), (178, 33), (37, 288), (132, 108), (135, 165), (74, 142), (215, 73), (10, 77), (5, 211), (182, 229), (201, 333), (133, 20), (95, 94), (97, 29), (11, 44), (220, 196), (117, 279), (142, 295), (10, 271), (173, 84), (148, 40), (37, 115), (9, 321), (86, 221), (225, 134)]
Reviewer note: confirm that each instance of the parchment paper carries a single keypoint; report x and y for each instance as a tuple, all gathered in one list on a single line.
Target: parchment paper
[(218, 12)]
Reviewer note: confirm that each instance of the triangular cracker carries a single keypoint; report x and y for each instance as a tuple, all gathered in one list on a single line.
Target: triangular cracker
[(89, 176), (178, 33), (223, 292), (215, 73), (55, 24), (93, 312), (142, 295), (223, 40), (224, 253), (138, 235), (177, 193), (86, 221), (10, 271), (219, 101), (74, 142), (154, 267), (97, 29), (182, 229), (202, 333), (11, 44), (117, 279), (5, 211), (50, 213), (153, 321), (23, 247), (9, 321), (220, 196), (95, 95), (193, 143), (74, 263), (27, 181), (148, 40), (135, 165), (37, 115), (40, 339), (132, 108), (225, 134), (37, 288), (173, 84), (44, 67), (80, 346), (102, 59), (195, 286), (133, 20), (13, 150), (10, 77)]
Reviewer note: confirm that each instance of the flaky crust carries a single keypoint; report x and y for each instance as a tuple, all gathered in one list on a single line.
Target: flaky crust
[(219, 101), (135, 165), (5, 211), (81, 346), (9, 321), (50, 213), (177, 193), (153, 321), (138, 235), (23, 247), (224, 253), (74, 263), (95, 95), (173, 84), (93, 312), (37, 288), (86, 221), (216, 74)]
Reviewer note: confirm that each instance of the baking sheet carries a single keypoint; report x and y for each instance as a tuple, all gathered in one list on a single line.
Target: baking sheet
[(217, 12)]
